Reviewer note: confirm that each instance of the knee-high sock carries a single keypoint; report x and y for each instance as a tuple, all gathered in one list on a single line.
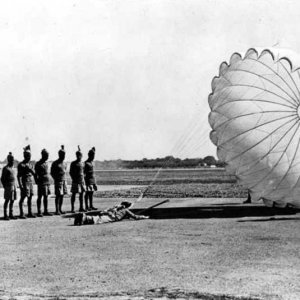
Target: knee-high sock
[(21, 206)]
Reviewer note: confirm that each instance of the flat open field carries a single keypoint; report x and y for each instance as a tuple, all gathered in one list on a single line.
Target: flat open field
[(190, 248), (164, 176), (170, 183)]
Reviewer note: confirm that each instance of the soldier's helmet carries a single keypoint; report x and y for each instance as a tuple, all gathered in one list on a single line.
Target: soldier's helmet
[(126, 204)]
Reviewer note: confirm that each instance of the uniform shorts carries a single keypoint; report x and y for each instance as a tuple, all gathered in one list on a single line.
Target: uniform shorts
[(44, 190), (27, 190), (60, 188), (102, 219), (10, 193), (83, 219), (77, 188), (91, 187)]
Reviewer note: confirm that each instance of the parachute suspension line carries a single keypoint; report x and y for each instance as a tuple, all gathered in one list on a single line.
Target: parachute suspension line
[(182, 137), (199, 141), (193, 151), (177, 148), (187, 138), (149, 185), (281, 156), (186, 145), (201, 133)]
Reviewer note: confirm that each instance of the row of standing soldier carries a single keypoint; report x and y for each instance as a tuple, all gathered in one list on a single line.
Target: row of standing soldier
[(80, 173)]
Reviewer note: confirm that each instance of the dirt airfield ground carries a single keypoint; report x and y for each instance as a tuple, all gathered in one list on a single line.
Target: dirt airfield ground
[(211, 249)]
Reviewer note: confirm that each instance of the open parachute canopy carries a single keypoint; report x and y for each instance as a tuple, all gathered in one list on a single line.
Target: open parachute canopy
[(255, 121)]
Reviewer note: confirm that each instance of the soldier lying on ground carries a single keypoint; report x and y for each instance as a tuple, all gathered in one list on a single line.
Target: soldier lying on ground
[(114, 214)]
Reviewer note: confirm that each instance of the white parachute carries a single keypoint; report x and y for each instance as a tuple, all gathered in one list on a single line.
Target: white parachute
[(255, 120)]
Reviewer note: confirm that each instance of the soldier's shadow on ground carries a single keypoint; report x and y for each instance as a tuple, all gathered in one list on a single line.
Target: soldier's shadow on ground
[(224, 211), (271, 219)]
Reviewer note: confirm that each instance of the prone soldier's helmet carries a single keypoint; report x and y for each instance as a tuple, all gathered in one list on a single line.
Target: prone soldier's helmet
[(126, 204)]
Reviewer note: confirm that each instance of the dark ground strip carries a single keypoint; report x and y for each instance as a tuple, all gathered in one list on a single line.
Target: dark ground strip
[(154, 294)]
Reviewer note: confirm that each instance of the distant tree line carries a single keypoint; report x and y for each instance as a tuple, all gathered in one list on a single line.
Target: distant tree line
[(166, 162)]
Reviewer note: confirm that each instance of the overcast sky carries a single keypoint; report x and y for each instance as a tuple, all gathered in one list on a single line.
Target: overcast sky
[(128, 77)]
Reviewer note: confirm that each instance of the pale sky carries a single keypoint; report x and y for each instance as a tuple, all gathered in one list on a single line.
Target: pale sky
[(128, 77)]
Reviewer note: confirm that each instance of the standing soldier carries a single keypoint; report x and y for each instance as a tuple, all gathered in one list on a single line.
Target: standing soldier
[(58, 172), (43, 182), (90, 181), (76, 173), (8, 181), (25, 175)]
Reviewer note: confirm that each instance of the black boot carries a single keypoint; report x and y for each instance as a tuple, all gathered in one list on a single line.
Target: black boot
[(30, 215), (46, 213)]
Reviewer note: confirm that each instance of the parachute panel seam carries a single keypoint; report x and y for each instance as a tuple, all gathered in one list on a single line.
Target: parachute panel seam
[(273, 72), (281, 156), (260, 76)]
